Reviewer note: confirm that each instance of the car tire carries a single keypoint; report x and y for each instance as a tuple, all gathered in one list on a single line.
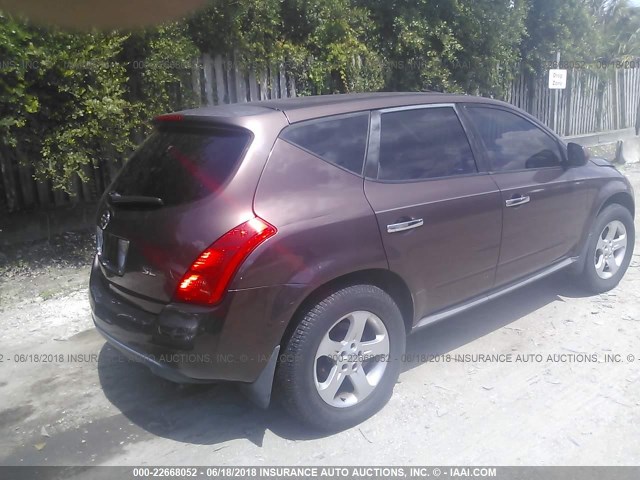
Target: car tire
[(605, 264), (363, 377)]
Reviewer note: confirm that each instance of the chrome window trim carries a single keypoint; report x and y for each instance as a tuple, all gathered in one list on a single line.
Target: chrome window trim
[(416, 107)]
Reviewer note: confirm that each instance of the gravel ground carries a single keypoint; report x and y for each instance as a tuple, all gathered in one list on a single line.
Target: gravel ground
[(570, 393)]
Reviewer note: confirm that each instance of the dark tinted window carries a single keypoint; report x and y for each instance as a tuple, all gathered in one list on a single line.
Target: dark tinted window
[(339, 140), (512, 142), (423, 143), (183, 165)]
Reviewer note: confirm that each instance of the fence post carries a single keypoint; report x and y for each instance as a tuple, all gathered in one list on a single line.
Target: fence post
[(292, 86), (221, 93), (282, 82), (239, 81), (26, 183), (264, 95), (195, 80), (569, 103), (253, 85), (11, 193), (557, 98), (636, 90), (273, 82), (616, 110), (208, 81)]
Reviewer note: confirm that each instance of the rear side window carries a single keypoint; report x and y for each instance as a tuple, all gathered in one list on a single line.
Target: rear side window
[(340, 140), (423, 143), (181, 166), (512, 142)]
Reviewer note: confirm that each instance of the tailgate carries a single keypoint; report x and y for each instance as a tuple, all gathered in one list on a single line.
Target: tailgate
[(169, 203)]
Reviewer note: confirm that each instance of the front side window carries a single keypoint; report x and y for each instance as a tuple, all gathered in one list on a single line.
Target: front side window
[(423, 143), (339, 140), (512, 142)]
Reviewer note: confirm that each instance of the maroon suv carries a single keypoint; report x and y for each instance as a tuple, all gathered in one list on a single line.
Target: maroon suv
[(298, 242)]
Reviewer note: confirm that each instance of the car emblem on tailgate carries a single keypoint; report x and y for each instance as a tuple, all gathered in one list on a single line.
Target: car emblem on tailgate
[(104, 219)]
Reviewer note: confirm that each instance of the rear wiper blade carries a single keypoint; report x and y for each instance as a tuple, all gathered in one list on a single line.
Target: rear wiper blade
[(116, 199)]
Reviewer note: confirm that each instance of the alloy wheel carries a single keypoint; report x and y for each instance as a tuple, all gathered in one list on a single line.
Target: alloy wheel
[(610, 249), (351, 359)]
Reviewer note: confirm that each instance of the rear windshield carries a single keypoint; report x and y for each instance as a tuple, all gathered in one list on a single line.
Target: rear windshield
[(181, 166)]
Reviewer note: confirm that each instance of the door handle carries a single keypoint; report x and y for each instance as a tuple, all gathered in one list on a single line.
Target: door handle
[(514, 202), (404, 226)]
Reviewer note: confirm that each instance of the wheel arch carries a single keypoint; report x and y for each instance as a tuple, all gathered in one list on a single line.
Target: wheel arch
[(386, 280), (620, 198)]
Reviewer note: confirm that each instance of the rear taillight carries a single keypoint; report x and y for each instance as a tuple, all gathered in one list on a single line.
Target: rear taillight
[(207, 279)]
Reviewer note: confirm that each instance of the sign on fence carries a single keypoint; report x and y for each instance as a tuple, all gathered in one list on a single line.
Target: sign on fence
[(557, 79)]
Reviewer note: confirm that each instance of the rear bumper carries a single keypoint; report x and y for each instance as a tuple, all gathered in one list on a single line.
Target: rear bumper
[(233, 341), (159, 369)]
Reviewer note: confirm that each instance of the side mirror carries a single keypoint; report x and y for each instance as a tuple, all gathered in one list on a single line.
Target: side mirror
[(577, 156)]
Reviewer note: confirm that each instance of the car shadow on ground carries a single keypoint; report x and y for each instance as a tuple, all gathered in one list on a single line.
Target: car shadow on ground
[(214, 414), (475, 323)]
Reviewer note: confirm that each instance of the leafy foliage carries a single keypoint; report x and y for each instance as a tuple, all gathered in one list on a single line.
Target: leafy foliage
[(619, 25), (71, 101), (324, 43), (66, 100), (552, 26), (17, 53), (336, 41), (250, 27), (490, 32)]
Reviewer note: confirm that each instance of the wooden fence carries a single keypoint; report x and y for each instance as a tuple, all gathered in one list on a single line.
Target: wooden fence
[(226, 82), (593, 102)]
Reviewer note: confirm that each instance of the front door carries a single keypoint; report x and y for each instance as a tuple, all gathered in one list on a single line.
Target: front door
[(440, 219), (544, 203)]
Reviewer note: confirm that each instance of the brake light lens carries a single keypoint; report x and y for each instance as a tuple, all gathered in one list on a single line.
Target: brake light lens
[(169, 117), (207, 279)]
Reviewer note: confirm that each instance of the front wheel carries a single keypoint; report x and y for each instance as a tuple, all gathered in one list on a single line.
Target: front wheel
[(610, 249), (342, 361)]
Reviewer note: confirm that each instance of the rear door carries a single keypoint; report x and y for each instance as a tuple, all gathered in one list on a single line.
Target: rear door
[(439, 217), (545, 204), (167, 205)]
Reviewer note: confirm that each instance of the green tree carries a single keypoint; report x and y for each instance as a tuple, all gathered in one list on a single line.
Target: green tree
[(323, 43), (72, 101), (17, 54), (417, 42), (333, 39), (250, 27), (569, 27), (620, 29), (160, 66), (452, 45), (66, 93), (489, 33)]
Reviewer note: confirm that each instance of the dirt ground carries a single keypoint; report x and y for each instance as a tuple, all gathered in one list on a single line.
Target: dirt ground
[(566, 391)]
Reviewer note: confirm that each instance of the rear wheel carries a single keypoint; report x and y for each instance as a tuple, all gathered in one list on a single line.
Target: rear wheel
[(610, 249), (342, 361)]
